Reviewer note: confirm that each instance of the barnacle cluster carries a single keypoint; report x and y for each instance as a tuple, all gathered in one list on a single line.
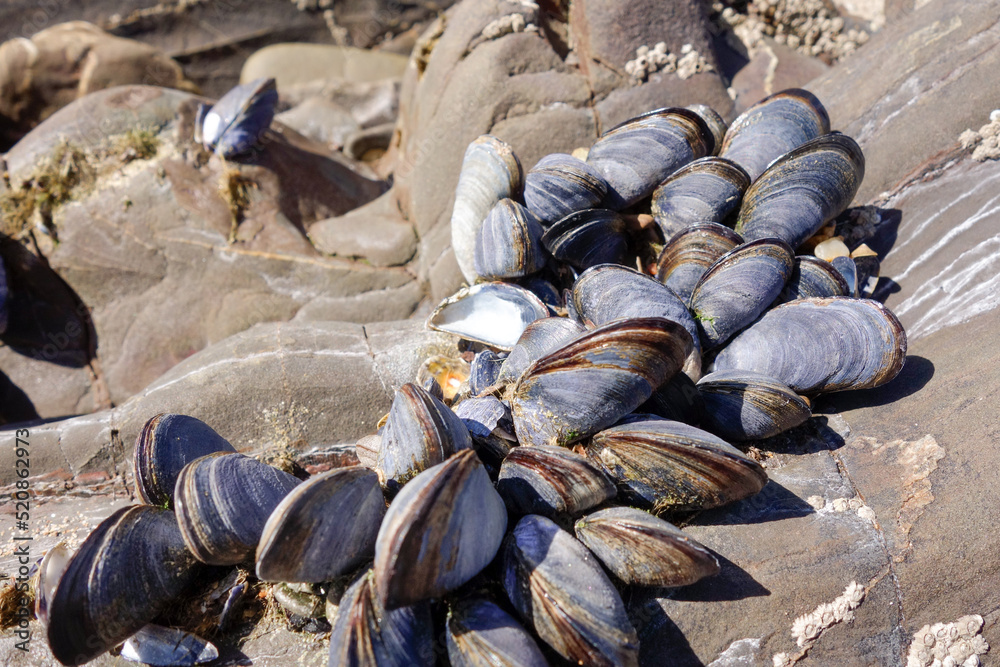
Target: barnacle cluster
[(658, 59), (956, 643), (985, 143)]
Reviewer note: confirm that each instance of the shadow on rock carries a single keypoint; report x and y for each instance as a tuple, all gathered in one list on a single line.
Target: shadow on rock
[(659, 636), (773, 503), (886, 232), (916, 373), (15, 406), (815, 435), (731, 583)]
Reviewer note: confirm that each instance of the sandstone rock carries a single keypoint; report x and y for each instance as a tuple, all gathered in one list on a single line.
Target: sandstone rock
[(370, 103), (373, 231), (916, 85), (67, 61), (321, 120), (291, 64), (774, 67)]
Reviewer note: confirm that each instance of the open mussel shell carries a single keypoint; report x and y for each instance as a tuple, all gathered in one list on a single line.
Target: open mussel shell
[(772, 127), (607, 292), (596, 379), (706, 190), (821, 345), (551, 480), (635, 156), (123, 576), (235, 123), (367, 633), (587, 238), (481, 634), (484, 371), (491, 427), (490, 172), (743, 405), (644, 550), (420, 432), (803, 190), (868, 267), (307, 539), (166, 444), (738, 288), (156, 645), (663, 464), (557, 586), (539, 338), (560, 184), (222, 503), (442, 529), (689, 253), (492, 313), (509, 244), (50, 570), (812, 277)]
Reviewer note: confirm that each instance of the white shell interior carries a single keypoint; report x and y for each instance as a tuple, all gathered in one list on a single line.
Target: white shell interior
[(489, 314)]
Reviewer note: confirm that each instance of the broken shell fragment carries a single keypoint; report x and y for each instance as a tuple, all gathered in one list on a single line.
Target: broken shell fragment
[(159, 645)]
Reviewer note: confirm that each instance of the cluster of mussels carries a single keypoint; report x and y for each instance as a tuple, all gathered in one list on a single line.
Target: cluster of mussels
[(511, 513)]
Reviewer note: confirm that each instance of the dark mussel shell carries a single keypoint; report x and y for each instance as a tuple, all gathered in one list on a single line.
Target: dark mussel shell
[(596, 379), (608, 292), (868, 267), (821, 345), (481, 634), (706, 190), (420, 432), (236, 122), (551, 480), (812, 277), (738, 288), (323, 529), (442, 529), (166, 444), (123, 576), (587, 238), (484, 371), (539, 338), (686, 256), (509, 244), (663, 464), (772, 127), (803, 190), (490, 425), (743, 405), (222, 503), (557, 586), (366, 633), (560, 184), (635, 156), (679, 399), (644, 550)]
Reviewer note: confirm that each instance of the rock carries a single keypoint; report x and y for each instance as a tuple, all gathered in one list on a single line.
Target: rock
[(373, 231), (157, 274), (774, 67), (66, 62), (370, 143), (880, 97), (321, 120), (370, 103), (292, 64)]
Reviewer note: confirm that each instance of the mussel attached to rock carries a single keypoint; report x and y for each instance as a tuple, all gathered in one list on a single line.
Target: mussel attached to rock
[(539, 338), (689, 253), (560, 184), (551, 480), (813, 277), (481, 634), (743, 405), (509, 244), (596, 379), (557, 586), (642, 549), (662, 464), (236, 122), (587, 238)]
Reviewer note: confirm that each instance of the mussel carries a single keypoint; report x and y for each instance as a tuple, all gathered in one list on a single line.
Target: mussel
[(4, 297), (557, 586), (821, 345), (662, 464), (560, 184), (166, 444), (236, 122), (802, 190), (587, 238), (689, 253), (307, 539), (481, 634), (635, 156), (442, 529), (222, 503), (484, 371), (490, 172), (596, 379), (509, 244), (743, 405), (539, 338), (642, 549), (491, 427), (812, 277), (551, 480), (772, 127), (706, 190)]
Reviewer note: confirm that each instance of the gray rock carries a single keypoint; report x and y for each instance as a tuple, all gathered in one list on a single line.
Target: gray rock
[(321, 120), (293, 64), (373, 231), (773, 68)]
